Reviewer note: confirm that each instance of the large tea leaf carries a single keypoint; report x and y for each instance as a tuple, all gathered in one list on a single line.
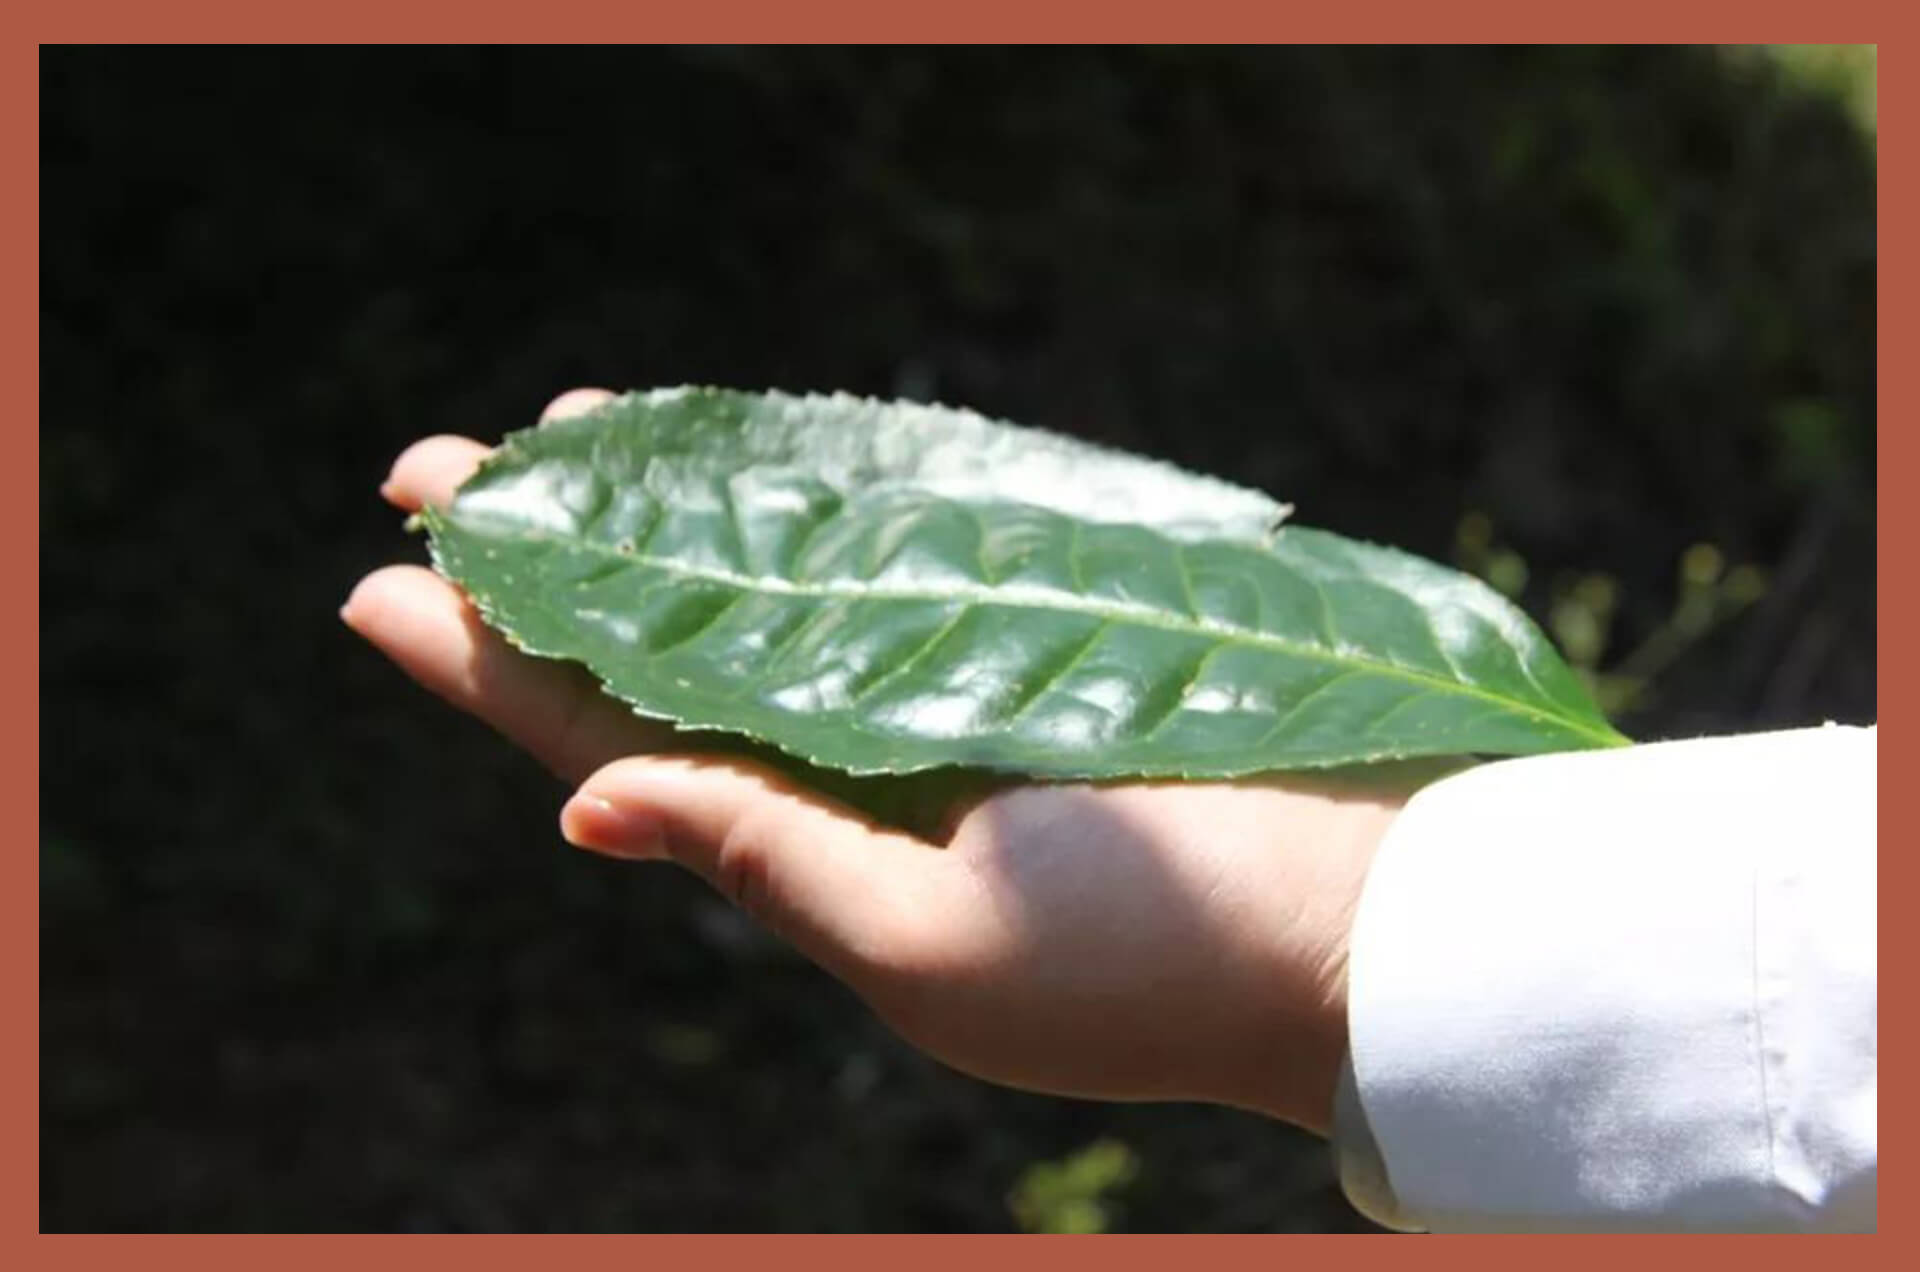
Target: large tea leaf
[(888, 588)]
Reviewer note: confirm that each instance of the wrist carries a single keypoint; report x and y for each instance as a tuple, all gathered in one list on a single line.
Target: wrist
[(1303, 1038)]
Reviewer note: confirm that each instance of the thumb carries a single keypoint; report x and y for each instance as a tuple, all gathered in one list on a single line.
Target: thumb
[(852, 897)]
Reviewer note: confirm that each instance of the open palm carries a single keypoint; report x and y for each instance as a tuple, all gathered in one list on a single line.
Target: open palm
[(1144, 940)]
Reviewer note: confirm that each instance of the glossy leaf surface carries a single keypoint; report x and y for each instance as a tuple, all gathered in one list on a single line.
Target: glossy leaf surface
[(884, 589)]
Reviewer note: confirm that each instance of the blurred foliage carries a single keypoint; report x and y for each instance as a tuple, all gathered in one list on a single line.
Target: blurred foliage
[(1073, 1195), (312, 957), (1848, 73), (1581, 610)]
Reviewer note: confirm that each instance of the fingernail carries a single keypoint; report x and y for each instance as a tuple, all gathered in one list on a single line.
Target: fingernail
[(353, 611), (595, 824)]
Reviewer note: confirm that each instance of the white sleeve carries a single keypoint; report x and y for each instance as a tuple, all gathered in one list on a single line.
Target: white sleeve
[(1623, 990)]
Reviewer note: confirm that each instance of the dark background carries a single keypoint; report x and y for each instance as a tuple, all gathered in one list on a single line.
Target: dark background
[(312, 954)]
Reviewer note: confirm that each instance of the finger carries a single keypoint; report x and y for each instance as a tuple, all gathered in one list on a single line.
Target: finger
[(574, 402), (856, 899), (429, 471), (552, 710)]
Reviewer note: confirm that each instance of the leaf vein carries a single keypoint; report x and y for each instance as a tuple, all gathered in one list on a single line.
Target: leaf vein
[(1287, 716), (920, 652), (1019, 596), (706, 625), (1179, 699), (1046, 684)]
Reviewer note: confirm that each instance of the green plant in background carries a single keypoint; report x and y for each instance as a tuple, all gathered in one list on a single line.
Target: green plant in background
[(1707, 595), (1075, 1193), (1848, 73), (1583, 606), (888, 588)]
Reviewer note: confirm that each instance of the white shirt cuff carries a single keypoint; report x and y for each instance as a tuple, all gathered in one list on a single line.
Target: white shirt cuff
[(1624, 989)]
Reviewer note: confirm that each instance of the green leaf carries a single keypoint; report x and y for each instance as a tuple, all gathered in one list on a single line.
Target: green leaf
[(888, 588), (1074, 1194)]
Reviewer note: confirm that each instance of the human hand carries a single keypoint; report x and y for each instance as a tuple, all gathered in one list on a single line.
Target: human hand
[(1131, 941)]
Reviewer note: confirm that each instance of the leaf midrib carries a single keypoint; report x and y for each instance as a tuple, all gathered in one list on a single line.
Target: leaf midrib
[(1027, 596)]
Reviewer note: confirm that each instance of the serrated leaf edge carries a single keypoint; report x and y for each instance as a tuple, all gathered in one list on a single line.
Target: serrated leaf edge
[(433, 519)]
